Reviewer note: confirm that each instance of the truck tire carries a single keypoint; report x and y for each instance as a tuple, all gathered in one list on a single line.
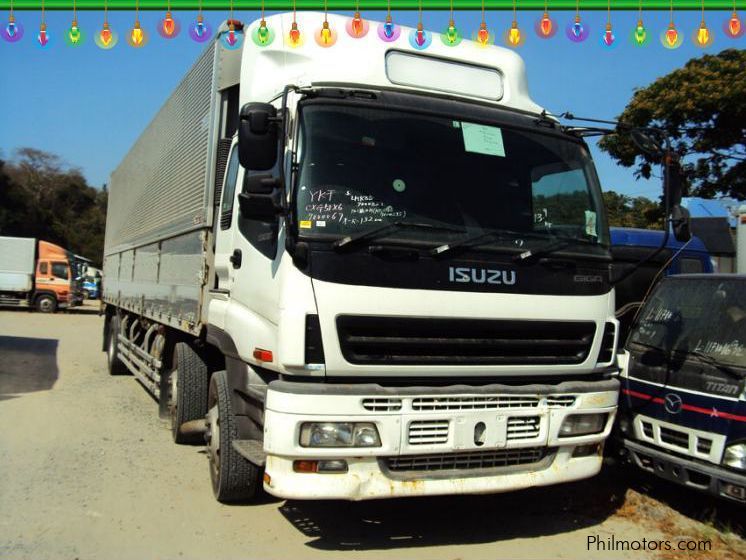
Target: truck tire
[(46, 304), (187, 398), (234, 478), (114, 364)]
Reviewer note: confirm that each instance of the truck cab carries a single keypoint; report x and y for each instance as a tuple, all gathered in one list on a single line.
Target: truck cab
[(683, 406), (55, 284)]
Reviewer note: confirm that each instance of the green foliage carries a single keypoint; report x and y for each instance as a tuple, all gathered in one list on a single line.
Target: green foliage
[(702, 109), (639, 212), (40, 197)]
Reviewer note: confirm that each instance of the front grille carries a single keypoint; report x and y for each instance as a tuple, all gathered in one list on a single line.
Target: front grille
[(704, 445), (560, 401), (466, 461), (428, 432), (675, 437), (409, 341), (647, 429), (606, 353), (382, 405), (474, 403), (523, 427)]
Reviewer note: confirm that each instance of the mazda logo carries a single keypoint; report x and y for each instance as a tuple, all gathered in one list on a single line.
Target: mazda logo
[(673, 403)]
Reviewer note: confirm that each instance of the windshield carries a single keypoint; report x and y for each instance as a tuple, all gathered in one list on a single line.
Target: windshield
[(359, 168), (696, 315)]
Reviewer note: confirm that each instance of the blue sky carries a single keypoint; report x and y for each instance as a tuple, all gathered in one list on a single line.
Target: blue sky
[(89, 105)]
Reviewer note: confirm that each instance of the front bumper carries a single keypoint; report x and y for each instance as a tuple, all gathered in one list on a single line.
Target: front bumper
[(519, 422), (709, 478)]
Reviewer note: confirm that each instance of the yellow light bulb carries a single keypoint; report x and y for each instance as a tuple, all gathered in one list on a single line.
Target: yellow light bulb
[(703, 35), (514, 35), (136, 34)]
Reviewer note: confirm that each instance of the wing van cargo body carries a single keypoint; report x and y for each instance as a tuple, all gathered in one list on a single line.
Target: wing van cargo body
[(365, 271), (35, 274)]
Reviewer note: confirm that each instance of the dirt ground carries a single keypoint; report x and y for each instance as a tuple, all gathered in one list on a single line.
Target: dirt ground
[(88, 471)]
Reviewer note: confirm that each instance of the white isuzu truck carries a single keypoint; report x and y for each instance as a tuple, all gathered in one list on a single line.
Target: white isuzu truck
[(365, 271)]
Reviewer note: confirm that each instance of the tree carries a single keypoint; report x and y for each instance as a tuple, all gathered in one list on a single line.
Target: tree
[(41, 197), (639, 212), (702, 109)]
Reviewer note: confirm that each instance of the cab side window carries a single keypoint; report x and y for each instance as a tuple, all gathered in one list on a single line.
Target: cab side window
[(59, 270), (229, 190)]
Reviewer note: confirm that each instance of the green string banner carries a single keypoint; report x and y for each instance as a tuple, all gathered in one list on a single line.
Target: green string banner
[(369, 5)]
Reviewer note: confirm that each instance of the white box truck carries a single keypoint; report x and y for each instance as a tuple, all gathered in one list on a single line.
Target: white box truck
[(36, 274), (365, 271)]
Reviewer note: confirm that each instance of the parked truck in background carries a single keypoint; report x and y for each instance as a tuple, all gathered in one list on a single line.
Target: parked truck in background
[(683, 409), (630, 245), (35, 273), (365, 271)]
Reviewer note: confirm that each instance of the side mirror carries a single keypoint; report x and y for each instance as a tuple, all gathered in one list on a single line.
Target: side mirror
[(680, 223), (257, 136), (264, 207)]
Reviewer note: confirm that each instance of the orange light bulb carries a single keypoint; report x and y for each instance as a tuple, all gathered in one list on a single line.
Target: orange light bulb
[(105, 35), (326, 33), (483, 36), (546, 25), (169, 25), (294, 34), (734, 25), (357, 24), (672, 36), (136, 34)]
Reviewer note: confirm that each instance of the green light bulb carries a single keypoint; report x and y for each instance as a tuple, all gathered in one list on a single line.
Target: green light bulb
[(641, 33)]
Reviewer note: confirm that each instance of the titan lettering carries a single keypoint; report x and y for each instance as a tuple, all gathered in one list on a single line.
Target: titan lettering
[(481, 276)]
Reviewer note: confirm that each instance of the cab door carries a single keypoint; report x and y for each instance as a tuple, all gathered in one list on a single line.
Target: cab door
[(224, 250)]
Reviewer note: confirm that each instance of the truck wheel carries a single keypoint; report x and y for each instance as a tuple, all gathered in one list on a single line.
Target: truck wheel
[(115, 365), (234, 479), (46, 304), (187, 396)]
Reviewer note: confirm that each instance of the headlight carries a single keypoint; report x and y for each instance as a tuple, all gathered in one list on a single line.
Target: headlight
[(339, 434), (735, 456), (583, 424)]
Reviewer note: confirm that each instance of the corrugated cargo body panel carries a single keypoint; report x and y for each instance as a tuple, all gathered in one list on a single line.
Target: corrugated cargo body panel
[(17, 260), (162, 280), (162, 188)]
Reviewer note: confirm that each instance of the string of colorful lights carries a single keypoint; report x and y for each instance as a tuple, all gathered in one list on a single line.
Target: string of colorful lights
[(357, 27)]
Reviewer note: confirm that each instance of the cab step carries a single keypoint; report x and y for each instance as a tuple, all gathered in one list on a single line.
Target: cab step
[(252, 450)]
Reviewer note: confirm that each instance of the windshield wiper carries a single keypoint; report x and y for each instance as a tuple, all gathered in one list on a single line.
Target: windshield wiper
[(532, 255), (506, 234), (386, 228), (706, 358)]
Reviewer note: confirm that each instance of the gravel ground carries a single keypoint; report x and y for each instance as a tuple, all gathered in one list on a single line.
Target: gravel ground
[(88, 470)]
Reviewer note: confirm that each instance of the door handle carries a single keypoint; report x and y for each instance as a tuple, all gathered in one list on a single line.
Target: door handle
[(236, 258)]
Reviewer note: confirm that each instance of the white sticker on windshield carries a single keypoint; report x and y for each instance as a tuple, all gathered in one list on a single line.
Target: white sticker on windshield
[(481, 139), (590, 223)]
